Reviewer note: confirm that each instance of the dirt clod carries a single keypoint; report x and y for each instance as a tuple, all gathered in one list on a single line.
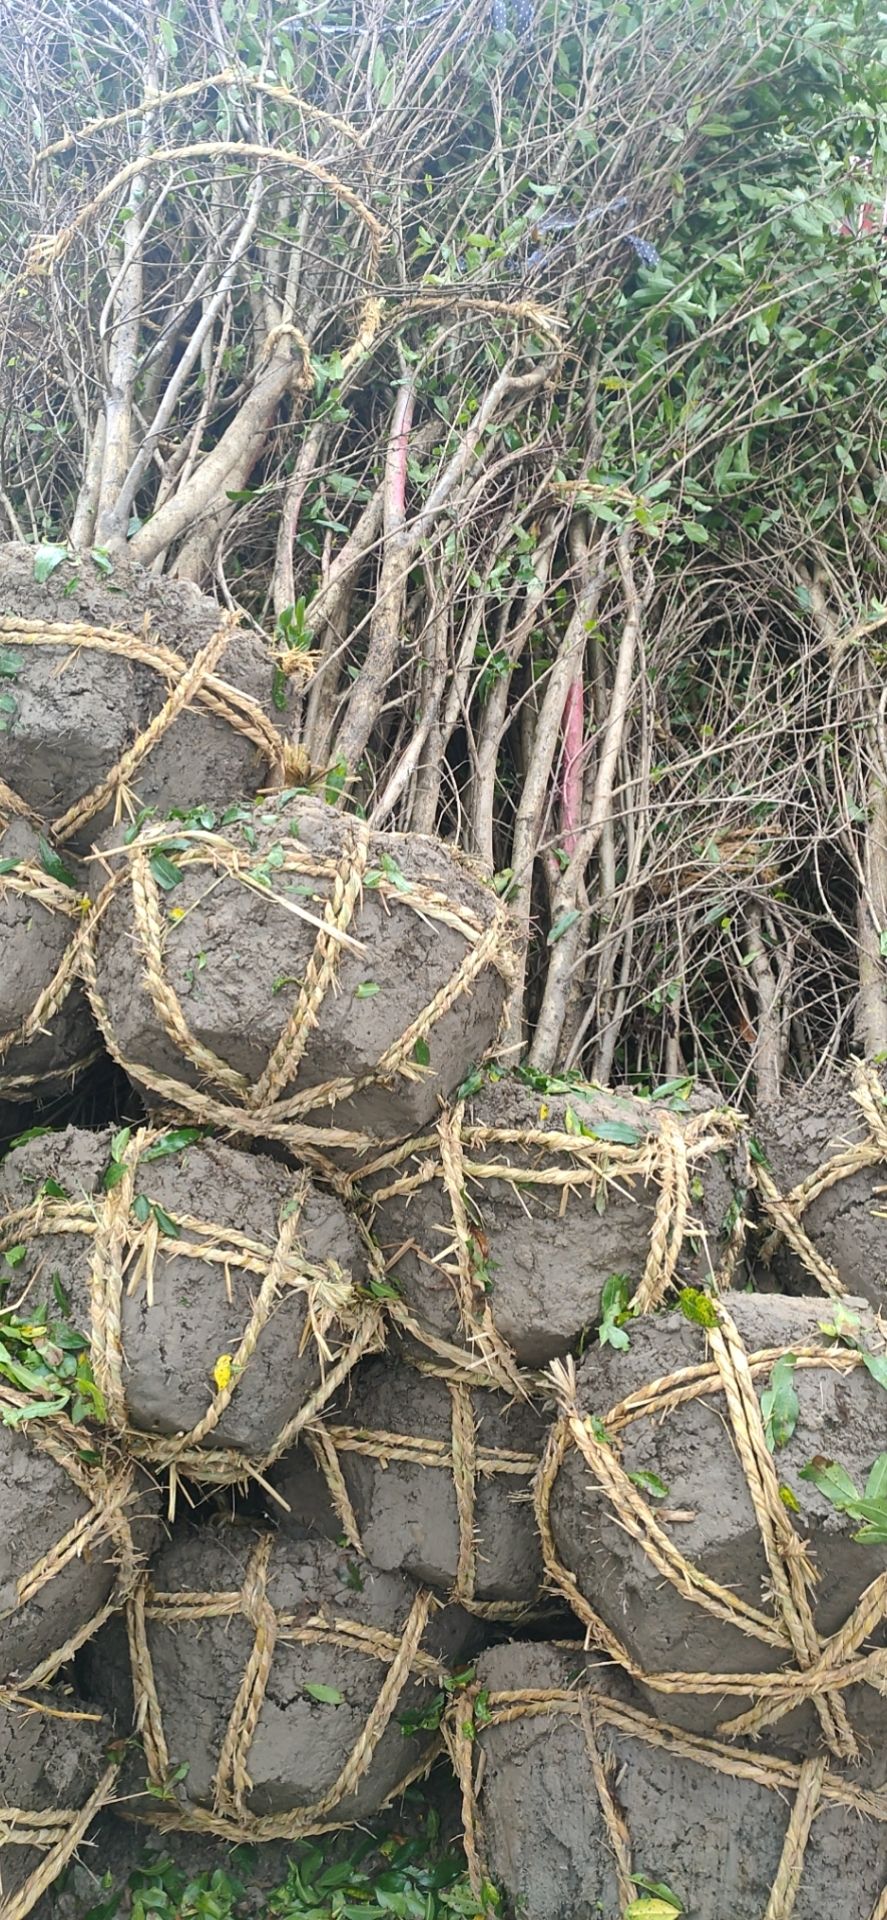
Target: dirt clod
[(847, 1220), (53, 1760), (46, 1029), (196, 1233), (712, 1840), (318, 1692)]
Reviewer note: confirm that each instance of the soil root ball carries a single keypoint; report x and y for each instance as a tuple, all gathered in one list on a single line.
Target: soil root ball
[(128, 691), (75, 1521), (282, 1687), (502, 1228), (294, 967), (56, 1774), (824, 1188), (705, 1506), (430, 1474), (47, 1032), (220, 1291), (586, 1804)]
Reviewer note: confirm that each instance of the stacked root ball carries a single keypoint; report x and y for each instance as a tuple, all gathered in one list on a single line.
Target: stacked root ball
[(360, 1402)]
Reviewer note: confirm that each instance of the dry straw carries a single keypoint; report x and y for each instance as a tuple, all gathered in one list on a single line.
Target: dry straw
[(194, 683), (125, 1249), (810, 1788), (815, 1670), (464, 1156), (263, 1108), (462, 1456), (399, 1656), (53, 1832)]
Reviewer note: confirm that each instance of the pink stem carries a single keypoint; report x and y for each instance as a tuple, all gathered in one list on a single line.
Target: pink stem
[(571, 763), (396, 464)]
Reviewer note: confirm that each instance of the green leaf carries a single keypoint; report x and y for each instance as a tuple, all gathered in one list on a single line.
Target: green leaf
[(165, 871), (614, 1309), (561, 926), (673, 1089), (10, 664), (471, 1084), (46, 559), (366, 990), (779, 1403), (831, 1480), (649, 1483), (422, 1053), (659, 1888), (616, 1132), (174, 1142), (166, 1225), (877, 1366), (52, 864), (141, 1207), (14, 1256), (9, 866), (326, 1696), (697, 1307), (102, 560), (876, 1484)]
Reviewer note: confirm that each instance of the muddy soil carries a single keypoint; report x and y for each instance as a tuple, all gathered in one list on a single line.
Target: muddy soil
[(53, 1753), (301, 1741), (714, 1841), (237, 957), (542, 1253), (76, 712), (406, 1511), (198, 1309), (848, 1222), (691, 1451), (34, 939)]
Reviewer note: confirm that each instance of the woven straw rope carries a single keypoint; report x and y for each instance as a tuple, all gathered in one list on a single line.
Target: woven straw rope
[(194, 683), (462, 1457), (53, 897), (822, 1669), (786, 1211), (666, 1158), (262, 1107), (124, 1258), (107, 1488), (400, 1655), (811, 1785)]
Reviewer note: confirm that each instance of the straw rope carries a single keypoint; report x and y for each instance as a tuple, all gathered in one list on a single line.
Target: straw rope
[(811, 1786), (786, 1211), (193, 683), (264, 1108), (400, 1655), (461, 1155), (123, 1260), (106, 1486), (30, 882), (57, 1834), (461, 1456), (822, 1670)]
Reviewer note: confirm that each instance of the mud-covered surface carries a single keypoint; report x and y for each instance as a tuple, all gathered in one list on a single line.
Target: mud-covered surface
[(53, 1753), (407, 1512), (691, 1451), (34, 940), (541, 1253), (39, 1503), (301, 1741), (848, 1222), (77, 711), (714, 1841), (237, 956), (197, 1309)]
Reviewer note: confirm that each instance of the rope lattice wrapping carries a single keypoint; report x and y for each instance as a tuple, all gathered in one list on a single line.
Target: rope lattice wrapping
[(52, 1832), (126, 1240), (815, 1670), (399, 1656), (34, 1055), (107, 1483), (195, 683), (807, 1790), (440, 1257), (465, 1456), (786, 1211), (322, 940)]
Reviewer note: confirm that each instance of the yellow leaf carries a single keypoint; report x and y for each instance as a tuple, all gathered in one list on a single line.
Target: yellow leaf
[(788, 1500), (543, 1110), (177, 913), (222, 1371), (651, 1909)]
